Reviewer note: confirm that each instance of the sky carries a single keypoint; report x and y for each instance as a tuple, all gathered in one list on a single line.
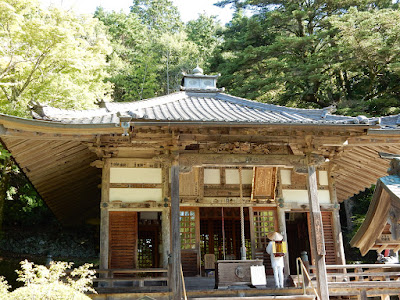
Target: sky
[(189, 9)]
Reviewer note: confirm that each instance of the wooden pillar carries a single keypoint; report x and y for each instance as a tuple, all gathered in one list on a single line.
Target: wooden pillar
[(166, 217), (252, 233), (282, 230), (166, 236), (363, 295), (104, 215), (175, 276), (337, 228), (317, 233)]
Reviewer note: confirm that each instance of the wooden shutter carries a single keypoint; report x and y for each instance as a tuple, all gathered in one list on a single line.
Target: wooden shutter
[(123, 239), (329, 238)]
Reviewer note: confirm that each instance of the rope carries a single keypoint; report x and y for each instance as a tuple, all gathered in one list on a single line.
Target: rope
[(243, 249)]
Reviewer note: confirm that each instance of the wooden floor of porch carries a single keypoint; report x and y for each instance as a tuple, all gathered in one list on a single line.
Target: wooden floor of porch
[(203, 288)]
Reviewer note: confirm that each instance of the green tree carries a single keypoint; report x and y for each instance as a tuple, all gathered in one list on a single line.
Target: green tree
[(203, 32), (51, 56), (369, 47), (177, 55), (160, 16), (132, 64), (150, 49), (6, 170), (291, 53)]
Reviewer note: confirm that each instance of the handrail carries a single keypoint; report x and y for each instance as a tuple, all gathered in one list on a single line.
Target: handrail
[(354, 266), (303, 270)]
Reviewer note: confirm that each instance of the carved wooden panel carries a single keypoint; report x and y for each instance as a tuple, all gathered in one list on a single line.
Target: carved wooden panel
[(123, 239), (264, 183), (189, 183)]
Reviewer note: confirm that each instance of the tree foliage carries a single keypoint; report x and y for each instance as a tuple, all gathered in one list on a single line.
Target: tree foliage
[(152, 47), (51, 55), (313, 54)]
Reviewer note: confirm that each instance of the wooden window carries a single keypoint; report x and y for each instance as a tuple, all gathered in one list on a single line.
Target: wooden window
[(188, 229), (264, 221)]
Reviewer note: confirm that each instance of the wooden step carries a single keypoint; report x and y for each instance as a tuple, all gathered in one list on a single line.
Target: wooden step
[(291, 297)]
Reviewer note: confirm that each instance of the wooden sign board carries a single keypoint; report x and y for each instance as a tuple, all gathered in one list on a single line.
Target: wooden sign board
[(264, 183), (258, 275)]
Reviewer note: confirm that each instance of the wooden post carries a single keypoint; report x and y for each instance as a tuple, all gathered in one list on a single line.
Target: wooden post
[(282, 230), (252, 233), (104, 216), (363, 295), (166, 236), (337, 228), (317, 233), (166, 217), (176, 281)]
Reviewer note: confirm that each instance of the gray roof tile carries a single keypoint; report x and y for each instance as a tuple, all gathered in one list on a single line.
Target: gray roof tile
[(195, 106)]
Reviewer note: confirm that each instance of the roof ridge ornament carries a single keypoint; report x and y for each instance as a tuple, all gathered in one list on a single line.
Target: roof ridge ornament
[(198, 70), (199, 82), (37, 108)]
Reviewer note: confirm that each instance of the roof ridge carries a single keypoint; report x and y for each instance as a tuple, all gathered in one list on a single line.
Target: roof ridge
[(139, 104), (263, 105)]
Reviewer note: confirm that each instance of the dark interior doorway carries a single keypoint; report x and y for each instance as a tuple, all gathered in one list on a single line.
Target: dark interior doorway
[(297, 237), (149, 229), (211, 232)]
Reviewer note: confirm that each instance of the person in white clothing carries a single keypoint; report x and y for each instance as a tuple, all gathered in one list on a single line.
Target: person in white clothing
[(276, 261)]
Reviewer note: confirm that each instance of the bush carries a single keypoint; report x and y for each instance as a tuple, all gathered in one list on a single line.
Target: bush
[(48, 291), (50, 283)]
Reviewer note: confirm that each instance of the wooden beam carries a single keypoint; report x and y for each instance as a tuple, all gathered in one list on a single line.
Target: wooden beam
[(192, 160), (317, 233)]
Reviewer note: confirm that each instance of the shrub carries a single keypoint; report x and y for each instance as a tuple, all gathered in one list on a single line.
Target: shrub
[(50, 283)]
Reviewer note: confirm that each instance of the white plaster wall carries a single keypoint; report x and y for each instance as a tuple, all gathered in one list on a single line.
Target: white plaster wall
[(135, 194), (286, 177), (212, 176), (232, 176), (301, 196), (323, 177), (135, 175)]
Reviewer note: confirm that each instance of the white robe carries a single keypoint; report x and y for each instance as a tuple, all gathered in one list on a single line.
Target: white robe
[(277, 265)]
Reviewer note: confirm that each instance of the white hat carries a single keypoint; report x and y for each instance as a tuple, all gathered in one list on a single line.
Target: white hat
[(275, 236)]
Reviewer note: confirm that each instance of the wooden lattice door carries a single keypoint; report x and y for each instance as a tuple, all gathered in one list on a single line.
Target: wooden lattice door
[(190, 240), (123, 239), (264, 221)]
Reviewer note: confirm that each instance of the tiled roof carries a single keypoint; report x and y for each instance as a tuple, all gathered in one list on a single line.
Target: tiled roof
[(194, 107), (392, 183)]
